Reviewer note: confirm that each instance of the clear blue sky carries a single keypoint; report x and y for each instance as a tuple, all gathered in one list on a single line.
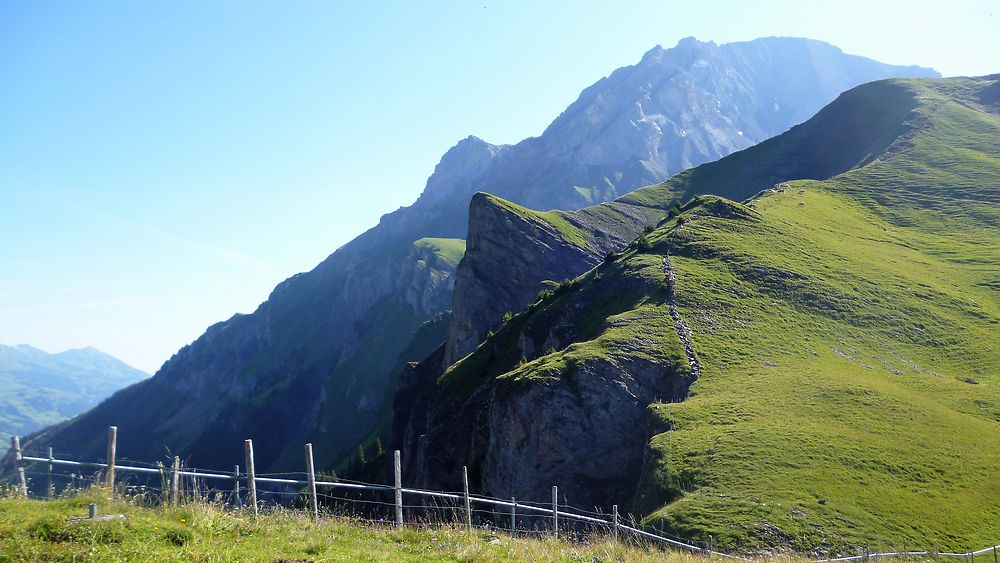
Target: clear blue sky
[(165, 164)]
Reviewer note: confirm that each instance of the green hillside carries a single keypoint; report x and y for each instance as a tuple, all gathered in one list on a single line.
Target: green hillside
[(845, 334), (851, 343)]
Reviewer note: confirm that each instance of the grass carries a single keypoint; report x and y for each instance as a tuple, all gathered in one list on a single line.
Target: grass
[(838, 339), (554, 220), (448, 250), (830, 412), (41, 530)]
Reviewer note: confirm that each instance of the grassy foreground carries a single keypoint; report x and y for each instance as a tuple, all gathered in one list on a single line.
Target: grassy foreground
[(32, 530)]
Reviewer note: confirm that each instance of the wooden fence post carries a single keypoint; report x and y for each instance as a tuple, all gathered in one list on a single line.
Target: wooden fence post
[(112, 446), (513, 516), (22, 485), (311, 472), (173, 480), (614, 521), (465, 495), (709, 550), (995, 560), (236, 487), (398, 485), (555, 511), (251, 482), (50, 490)]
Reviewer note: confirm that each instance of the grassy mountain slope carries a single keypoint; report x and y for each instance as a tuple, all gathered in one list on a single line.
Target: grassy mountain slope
[(845, 335), (38, 389), (850, 345)]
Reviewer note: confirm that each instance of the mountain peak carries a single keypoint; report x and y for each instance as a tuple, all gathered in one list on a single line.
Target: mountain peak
[(692, 42), (460, 168), (687, 45)]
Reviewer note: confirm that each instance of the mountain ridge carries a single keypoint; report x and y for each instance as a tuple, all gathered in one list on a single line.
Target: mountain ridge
[(321, 353)]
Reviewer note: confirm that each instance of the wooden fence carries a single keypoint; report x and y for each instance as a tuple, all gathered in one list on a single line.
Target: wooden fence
[(464, 500)]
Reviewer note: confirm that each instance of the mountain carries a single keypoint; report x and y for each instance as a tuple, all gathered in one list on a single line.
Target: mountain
[(808, 360), (38, 389), (318, 361)]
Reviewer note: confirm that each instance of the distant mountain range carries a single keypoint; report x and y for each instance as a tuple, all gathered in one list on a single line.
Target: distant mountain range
[(38, 389), (319, 360)]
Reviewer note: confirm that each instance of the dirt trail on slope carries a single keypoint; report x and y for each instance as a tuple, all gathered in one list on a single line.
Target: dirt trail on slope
[(683, 332)]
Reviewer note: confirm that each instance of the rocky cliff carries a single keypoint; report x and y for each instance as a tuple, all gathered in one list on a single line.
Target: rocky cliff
[(501, 273)]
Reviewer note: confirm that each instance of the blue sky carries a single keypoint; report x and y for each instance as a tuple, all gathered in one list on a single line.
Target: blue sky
[(164, 164)]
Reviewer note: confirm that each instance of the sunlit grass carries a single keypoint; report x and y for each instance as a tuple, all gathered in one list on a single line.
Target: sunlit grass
[(203, 531)]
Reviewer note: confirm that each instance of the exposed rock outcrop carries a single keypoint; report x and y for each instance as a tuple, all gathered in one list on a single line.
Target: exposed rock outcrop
[(511, 251)]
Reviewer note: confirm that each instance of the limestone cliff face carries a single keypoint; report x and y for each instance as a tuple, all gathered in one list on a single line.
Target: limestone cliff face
[(557, 396), (512, 251), (585, 432), (508, 255)]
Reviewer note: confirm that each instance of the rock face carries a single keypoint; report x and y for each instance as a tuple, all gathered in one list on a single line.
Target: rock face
[(512, 251), (577, 421), (678, 108), (317, 359)]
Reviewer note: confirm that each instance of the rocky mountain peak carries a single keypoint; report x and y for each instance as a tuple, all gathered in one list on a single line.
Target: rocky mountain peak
[(459, 169)]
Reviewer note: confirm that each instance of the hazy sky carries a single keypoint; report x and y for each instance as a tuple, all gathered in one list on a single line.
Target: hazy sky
[(164, 164)]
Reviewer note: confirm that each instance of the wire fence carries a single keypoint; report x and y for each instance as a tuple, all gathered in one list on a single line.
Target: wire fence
[(362, 501)]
